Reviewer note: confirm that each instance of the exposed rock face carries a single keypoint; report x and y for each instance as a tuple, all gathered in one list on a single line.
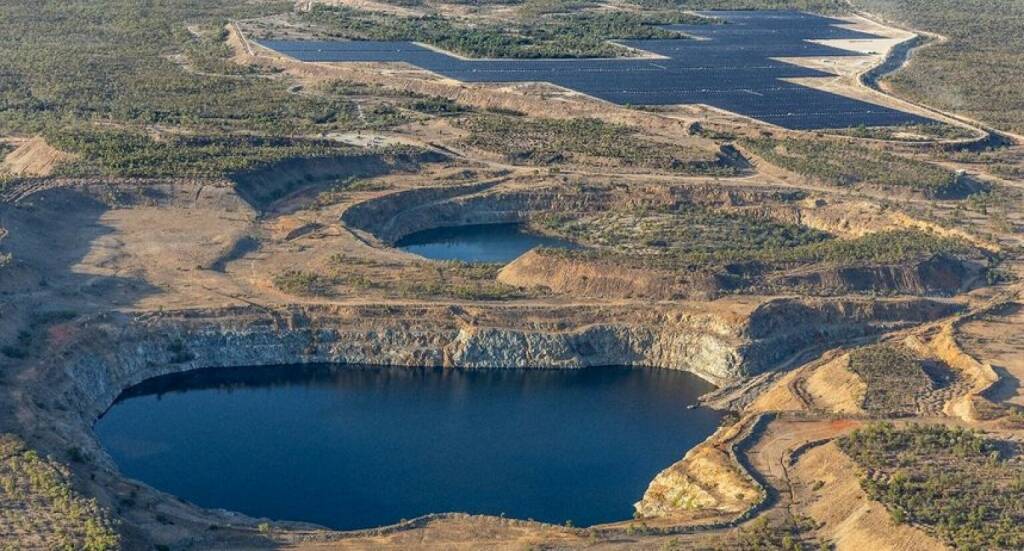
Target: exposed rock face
[(117, 350), (940, 274), (717, 342), (708, 477)]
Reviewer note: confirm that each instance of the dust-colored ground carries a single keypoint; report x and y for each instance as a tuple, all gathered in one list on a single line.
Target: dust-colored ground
[(32, 157), (996, 337), (824, 489)]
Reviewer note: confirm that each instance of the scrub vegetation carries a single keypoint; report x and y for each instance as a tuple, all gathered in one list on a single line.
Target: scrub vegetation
[(73, 62), (687, 232), (551, 141), (817, 6), (957, 484), (95, 84), (681, 257), (908, 133), (978, 71), (39, 508), (894, 379), (424, 280), (539, 7), (790, 534), (583, 34), (130, 153), (695, 237), (845, 164)]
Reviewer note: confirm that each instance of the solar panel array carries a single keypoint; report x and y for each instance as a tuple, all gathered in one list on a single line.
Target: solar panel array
[(731, 66)]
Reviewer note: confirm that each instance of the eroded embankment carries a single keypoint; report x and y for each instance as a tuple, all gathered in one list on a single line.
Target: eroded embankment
[(262, 186)]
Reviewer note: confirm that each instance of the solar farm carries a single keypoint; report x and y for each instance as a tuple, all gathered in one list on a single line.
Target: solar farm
[(733, 66)]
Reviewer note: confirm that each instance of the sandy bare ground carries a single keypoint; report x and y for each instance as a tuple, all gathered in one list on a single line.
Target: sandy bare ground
[(998, 338), (33, 157), (824, 489)]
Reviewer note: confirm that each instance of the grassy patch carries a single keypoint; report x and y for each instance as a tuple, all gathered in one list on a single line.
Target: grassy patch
[(894, 378), (958, 485), (844, 164), (38, 506), (554, 141), (582, 34)]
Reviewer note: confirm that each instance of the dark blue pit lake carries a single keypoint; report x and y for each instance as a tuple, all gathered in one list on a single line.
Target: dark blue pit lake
[(354, 447), (477, 243)]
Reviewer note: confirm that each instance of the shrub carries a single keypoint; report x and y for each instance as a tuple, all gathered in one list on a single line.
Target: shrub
[(954, 482)]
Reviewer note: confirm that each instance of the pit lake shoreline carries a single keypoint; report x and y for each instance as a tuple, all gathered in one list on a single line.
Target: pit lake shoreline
[(483, 243), (588, 454)]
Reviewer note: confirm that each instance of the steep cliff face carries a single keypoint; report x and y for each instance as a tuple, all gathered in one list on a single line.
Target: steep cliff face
[(119, 350), (938, 275), (710, 478), (718, 342), (779, 327)]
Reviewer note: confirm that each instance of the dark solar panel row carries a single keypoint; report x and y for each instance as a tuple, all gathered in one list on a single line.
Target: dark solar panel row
[(730, 67)]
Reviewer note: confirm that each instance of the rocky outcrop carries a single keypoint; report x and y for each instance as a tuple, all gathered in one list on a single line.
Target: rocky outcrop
[(709, 477), (777, 328), (118, 350)]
